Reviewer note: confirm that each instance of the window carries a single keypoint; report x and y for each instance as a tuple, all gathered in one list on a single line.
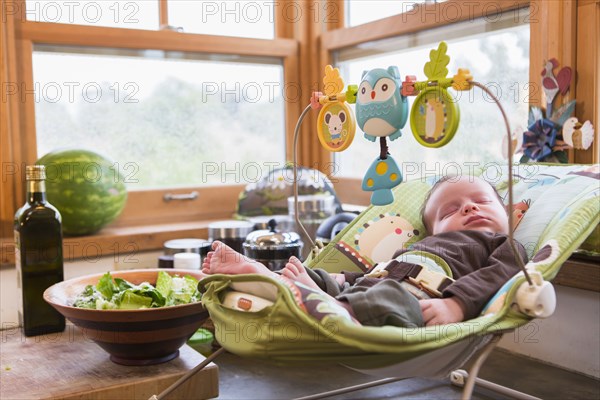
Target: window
[(132, 14), (39, 34), (241, 18), (362, 11), (178, 111), (167, 119), (496, 53)]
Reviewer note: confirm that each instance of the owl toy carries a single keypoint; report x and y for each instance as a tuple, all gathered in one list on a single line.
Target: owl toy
[(381, 110)]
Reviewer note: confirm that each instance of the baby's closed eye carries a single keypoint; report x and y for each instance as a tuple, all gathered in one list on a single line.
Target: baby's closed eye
[(447, 212)]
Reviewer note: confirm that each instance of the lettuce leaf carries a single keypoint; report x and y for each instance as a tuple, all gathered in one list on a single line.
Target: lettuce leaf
[(183, 290), (122, 284), (106, 286), (129, 300), (164, 283)]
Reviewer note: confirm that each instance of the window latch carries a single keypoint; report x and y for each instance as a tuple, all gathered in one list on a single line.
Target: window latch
[(184, 196)]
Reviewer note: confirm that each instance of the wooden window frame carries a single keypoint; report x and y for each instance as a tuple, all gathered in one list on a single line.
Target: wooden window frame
[(214, 202)]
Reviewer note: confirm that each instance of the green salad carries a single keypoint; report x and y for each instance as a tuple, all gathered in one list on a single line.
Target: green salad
[(117, 293)]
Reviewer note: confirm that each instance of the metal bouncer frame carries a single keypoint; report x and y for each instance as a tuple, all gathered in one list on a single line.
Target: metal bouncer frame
[(459, 377)]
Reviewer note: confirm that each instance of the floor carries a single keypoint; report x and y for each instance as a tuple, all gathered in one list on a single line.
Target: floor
[(243, 378)]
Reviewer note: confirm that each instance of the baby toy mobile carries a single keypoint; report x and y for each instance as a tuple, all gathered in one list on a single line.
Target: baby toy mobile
[(382, 112)]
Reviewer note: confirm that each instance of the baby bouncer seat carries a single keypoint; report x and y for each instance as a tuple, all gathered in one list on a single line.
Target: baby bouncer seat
[(556, 208)]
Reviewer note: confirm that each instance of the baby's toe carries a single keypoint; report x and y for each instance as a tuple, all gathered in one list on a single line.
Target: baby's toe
[(296, 263), (287, 272)]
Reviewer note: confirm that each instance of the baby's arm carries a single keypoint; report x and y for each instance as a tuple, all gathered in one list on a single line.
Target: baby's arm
[(442, 311)]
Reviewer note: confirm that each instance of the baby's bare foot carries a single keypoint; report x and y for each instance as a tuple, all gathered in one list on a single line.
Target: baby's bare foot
[(224, 260), (295, 271)]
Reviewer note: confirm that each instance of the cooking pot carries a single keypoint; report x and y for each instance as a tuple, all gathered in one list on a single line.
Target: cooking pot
[(231, 232), (312, 211), (272, 248)]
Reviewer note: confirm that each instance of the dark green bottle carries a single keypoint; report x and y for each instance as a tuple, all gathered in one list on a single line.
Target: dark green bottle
[(38, 256)]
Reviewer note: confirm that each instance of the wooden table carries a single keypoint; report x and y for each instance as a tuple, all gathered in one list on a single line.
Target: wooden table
[(69, 366)]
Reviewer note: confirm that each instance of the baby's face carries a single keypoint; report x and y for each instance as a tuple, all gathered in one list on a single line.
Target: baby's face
[(465, 203)]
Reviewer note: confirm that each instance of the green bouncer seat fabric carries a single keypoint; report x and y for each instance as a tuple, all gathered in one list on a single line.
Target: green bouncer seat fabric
[(556, 206)]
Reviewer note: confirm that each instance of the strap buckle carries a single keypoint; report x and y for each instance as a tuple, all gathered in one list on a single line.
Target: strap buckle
[(430, 281), (379, 271), (419, 276)]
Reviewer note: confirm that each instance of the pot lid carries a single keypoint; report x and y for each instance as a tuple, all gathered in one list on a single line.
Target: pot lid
[(271, 239)]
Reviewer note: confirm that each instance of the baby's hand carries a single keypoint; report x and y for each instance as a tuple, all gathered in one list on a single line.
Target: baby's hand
[(441, 311), (339, 278)]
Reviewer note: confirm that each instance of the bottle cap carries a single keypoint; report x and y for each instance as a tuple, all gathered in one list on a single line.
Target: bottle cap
[(200, 246), (187, 261), (35, 172)]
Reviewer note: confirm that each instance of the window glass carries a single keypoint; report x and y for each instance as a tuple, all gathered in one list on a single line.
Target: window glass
[(167, 119), (362, 11), (499, 60), (133, 14), (240, 18)]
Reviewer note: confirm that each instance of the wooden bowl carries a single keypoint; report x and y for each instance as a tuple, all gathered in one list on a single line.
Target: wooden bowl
[(131, 337)]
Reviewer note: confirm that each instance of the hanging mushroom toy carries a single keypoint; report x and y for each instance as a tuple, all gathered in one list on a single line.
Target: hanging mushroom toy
[(381, 112)]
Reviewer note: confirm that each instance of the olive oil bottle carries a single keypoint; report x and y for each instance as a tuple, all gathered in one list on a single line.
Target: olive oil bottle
[(38, 256)]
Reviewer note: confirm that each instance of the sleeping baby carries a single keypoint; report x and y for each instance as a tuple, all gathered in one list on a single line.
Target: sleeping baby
[(468, 227)]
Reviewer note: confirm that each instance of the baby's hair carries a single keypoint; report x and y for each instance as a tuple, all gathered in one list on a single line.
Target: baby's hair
[(444, 179)]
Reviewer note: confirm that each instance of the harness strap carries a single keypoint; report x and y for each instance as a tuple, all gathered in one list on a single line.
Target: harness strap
[(426, 279)]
